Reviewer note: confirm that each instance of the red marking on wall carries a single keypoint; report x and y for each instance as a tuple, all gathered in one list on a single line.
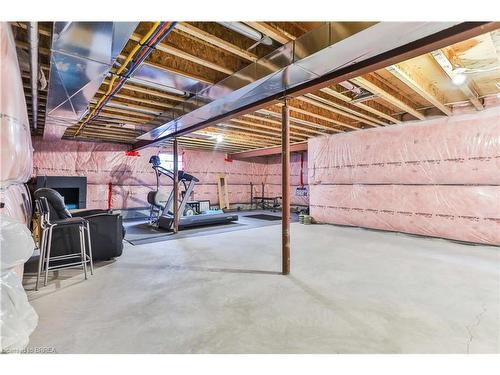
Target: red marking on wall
[(110, 193), (132, 153)]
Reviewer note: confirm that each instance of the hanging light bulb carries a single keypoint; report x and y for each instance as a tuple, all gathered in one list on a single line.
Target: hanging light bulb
[(459, 79), (219, 138), (458, 76)]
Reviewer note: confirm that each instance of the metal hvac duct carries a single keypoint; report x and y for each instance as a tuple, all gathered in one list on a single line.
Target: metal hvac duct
[(82, 54), (149, 75), (312, 58)]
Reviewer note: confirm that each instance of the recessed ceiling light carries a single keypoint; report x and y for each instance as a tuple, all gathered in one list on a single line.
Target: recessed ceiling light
[(219, 138), (459, 79)]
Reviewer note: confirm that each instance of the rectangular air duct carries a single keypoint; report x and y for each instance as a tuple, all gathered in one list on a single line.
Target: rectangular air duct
[(82, 54)]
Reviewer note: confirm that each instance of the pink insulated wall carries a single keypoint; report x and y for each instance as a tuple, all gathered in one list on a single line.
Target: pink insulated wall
[(438, 177), (132, 177), (102, 163), (298, 177)]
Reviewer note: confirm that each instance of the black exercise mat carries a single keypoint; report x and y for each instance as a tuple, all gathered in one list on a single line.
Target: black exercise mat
[(191, 232), (264, 217)]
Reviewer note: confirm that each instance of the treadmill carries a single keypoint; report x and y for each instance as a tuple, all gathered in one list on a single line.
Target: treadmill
[(166, 221), (188, 218)]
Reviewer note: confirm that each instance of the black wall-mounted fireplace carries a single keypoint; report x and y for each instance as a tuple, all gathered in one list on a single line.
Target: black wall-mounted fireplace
[(73, 189)]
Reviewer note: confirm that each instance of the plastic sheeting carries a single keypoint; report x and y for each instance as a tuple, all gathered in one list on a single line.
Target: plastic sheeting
[(298, 177), (206, 166), (17, 203), (131, 176), (413, 178), (461, 150), (101, 163), (15, 139), (17, 319), (466, 213)]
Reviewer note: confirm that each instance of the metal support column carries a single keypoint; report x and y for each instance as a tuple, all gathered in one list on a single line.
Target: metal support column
[(175, 150), (285, 188)]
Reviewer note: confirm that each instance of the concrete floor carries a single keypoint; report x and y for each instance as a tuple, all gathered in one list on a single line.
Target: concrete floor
[(350, 291)]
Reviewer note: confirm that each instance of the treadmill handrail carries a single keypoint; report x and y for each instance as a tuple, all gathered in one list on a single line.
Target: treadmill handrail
[(182, 175), (164, 171)]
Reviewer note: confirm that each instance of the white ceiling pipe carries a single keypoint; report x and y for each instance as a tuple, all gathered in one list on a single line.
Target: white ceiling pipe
[(247, 31), (33, 47)]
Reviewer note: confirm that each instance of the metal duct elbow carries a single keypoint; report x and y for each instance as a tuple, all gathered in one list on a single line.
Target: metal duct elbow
[(33, 47)]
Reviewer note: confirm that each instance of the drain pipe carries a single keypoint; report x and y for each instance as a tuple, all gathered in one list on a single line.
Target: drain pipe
[(33, 46)]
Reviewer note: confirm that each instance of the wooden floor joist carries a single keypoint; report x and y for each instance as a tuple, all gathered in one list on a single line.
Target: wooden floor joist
[(314, 102), (323, 118), (420, 85), (148, 91), (355, 115), (156, 103), (367, 84), (187, 56), (301, 129), (466, 88), (245, 134), (375, 111), (218, 42), (296, 135)]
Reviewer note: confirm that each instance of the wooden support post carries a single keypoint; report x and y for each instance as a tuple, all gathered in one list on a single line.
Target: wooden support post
[(175, 225), (285, 188), (223, 192)]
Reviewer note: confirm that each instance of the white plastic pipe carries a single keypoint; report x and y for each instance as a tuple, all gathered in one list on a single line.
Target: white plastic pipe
[(247, 31), (33, 43)]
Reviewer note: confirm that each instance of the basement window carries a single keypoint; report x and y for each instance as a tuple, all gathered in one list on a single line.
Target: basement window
[(167, 161)]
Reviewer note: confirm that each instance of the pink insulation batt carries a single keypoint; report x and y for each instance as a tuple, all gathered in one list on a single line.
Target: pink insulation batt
[(460, 150), (466, 213), (437, 177), (132, 176), (102, 163), (272, 177)]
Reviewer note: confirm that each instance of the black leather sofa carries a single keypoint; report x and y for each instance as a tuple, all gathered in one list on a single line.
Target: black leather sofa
[(106, 229)]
